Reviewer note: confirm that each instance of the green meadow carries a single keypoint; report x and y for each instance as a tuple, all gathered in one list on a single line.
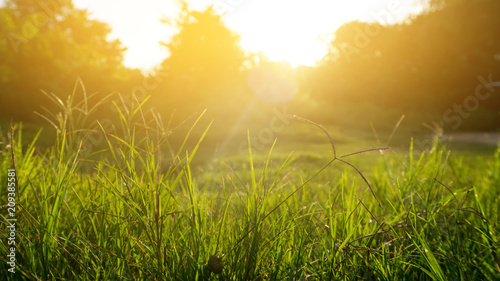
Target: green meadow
[(249, 140), (315, 204)]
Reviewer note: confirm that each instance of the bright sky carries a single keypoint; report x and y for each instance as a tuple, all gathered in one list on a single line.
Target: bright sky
[(290, 30)]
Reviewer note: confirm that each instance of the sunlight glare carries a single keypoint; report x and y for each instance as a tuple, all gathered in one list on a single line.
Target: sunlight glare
[(295, 31), (292, 31)]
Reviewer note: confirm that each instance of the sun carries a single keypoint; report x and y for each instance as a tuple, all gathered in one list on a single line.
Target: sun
[(295, 31), (296, 49), (291, 31), (298, 31)]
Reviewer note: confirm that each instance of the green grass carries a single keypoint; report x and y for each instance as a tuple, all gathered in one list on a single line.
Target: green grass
[(145, 211)]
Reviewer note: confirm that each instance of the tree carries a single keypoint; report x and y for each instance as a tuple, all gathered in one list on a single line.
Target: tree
[(428, 65), (205, 64), (48, 45)]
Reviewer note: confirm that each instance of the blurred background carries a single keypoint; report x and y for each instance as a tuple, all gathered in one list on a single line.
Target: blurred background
[(354, 65)]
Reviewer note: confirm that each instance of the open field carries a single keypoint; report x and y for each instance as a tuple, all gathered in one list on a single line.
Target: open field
[(249, 140), (145, 207)]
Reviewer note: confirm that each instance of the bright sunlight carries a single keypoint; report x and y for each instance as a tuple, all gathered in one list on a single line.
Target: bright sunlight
[(292, 31), (249, 140)]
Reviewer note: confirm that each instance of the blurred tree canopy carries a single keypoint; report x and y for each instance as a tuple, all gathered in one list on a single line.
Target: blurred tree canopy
[(428, 65), (48, 45), (437, 62), (205, 67)]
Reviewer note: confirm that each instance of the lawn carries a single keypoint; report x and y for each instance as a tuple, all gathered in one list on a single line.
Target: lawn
[(146, 205)]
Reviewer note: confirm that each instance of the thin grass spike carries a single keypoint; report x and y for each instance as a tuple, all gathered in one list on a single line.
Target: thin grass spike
[(323, 129), (366, 181), (317, 173)]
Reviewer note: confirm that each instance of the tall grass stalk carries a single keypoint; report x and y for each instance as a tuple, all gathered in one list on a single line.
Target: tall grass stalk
[(145, 211)]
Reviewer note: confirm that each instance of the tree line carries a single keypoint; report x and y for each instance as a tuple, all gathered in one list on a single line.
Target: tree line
[(441, 63)]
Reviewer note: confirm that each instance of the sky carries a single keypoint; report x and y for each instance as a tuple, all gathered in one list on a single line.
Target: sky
[(284, 30)]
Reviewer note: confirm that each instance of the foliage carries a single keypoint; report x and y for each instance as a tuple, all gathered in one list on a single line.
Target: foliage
[(424, 67), (48, 45), (429, 63), (145, 211), (205, 65)]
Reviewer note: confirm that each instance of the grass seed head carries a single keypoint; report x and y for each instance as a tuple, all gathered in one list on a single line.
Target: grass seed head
[(215, 264)]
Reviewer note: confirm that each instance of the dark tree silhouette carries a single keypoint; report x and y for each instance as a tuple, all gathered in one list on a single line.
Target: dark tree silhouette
[(205, 65), (48, 45), (429, 65)]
